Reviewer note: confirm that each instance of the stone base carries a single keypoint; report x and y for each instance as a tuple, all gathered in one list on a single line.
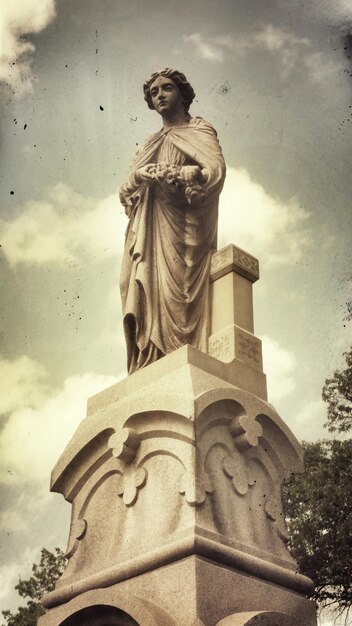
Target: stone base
[(191, 592), (175, 482)]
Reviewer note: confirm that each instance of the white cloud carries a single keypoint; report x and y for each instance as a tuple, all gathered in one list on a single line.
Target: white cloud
[(19, 18), (254, 220), (21, 383), (309, 421), (205, 49), (64, 227), (290, 51), (321, 68), (31, 441), (279, 366), (28, 503), (33, 437)]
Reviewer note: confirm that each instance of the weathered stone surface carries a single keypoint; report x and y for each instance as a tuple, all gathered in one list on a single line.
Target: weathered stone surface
[(193, 591), (177, 467)]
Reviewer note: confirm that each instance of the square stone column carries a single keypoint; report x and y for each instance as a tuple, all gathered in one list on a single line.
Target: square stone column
[(233, 272), (232, 340)]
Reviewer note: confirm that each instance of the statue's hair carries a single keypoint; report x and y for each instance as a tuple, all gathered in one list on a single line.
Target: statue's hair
[(178, 78)]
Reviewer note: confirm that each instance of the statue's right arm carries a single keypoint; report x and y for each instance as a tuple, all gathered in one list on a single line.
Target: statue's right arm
[(133, 189), (145, 173), (140, 175)]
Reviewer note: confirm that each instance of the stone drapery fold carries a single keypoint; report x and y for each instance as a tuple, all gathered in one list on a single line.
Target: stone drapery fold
[(169, 241)]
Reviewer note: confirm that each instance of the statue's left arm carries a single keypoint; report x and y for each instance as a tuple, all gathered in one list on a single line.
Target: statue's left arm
[(200, 142)]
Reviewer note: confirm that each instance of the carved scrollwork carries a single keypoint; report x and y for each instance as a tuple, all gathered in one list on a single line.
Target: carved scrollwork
[(78, 530), (240, 475), (249, 262), (195, 484), (130, 482), (274, 512), (124, 444), (221, 257), (245, 431)]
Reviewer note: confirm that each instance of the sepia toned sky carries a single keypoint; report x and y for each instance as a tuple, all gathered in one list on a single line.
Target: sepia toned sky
[(275, 79)]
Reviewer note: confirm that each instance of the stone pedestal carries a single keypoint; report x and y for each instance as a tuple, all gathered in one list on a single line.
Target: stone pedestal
[(175, 482)]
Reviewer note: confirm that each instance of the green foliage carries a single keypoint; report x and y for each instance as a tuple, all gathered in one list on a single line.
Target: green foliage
[(25, 615), (337, 392), (318, 508), (43, 579)]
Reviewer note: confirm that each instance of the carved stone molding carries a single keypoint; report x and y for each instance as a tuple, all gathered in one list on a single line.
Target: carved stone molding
[(195, 484), (130, 482), (240, 475), (124, 444), (245, 431), (232, 258), (78, 531), (274, 512)]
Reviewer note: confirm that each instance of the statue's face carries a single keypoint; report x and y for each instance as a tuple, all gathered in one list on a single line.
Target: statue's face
[(166, 96)]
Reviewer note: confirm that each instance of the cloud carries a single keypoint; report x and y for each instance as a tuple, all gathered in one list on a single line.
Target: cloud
[(309, 421), (279, 366), (10, 573), (19, 18), (35, 434), (22, 384), (31, 441), (290, 51), (64, 227), (205, 49), (252, 219)]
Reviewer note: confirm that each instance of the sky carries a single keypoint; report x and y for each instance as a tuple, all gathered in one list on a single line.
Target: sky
[(274, 78)]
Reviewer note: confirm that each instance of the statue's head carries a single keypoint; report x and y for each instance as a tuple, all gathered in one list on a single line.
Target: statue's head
[(178, 79)]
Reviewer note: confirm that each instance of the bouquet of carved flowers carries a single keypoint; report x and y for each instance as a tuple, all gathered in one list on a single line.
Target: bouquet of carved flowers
[(169, 173)]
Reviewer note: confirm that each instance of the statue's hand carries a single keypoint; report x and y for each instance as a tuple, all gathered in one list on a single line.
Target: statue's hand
[(145, 173), (190, 174)]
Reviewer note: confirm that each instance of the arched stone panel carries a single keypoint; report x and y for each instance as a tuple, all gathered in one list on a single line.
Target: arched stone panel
[(106, 607), (100, 615), (258, 618)]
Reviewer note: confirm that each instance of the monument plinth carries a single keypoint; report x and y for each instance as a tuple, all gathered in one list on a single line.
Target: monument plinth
[(175, 481)]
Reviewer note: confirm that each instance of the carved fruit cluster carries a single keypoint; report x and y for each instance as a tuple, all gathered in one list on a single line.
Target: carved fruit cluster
[(167, 172)]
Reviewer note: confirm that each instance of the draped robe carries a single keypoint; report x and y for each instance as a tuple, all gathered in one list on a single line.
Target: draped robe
[(169, 241)]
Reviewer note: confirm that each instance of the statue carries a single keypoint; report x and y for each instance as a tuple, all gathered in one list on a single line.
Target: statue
[(171, 199)]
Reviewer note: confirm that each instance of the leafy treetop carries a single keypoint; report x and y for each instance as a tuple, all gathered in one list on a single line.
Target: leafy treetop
[(43, 579)]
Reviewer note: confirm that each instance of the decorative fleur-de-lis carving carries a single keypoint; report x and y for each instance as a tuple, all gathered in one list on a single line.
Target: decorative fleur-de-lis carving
[(195, 484), (124, 444), (240, 475), (245, 431), (274, 512), (78, 530), (132, 480)]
